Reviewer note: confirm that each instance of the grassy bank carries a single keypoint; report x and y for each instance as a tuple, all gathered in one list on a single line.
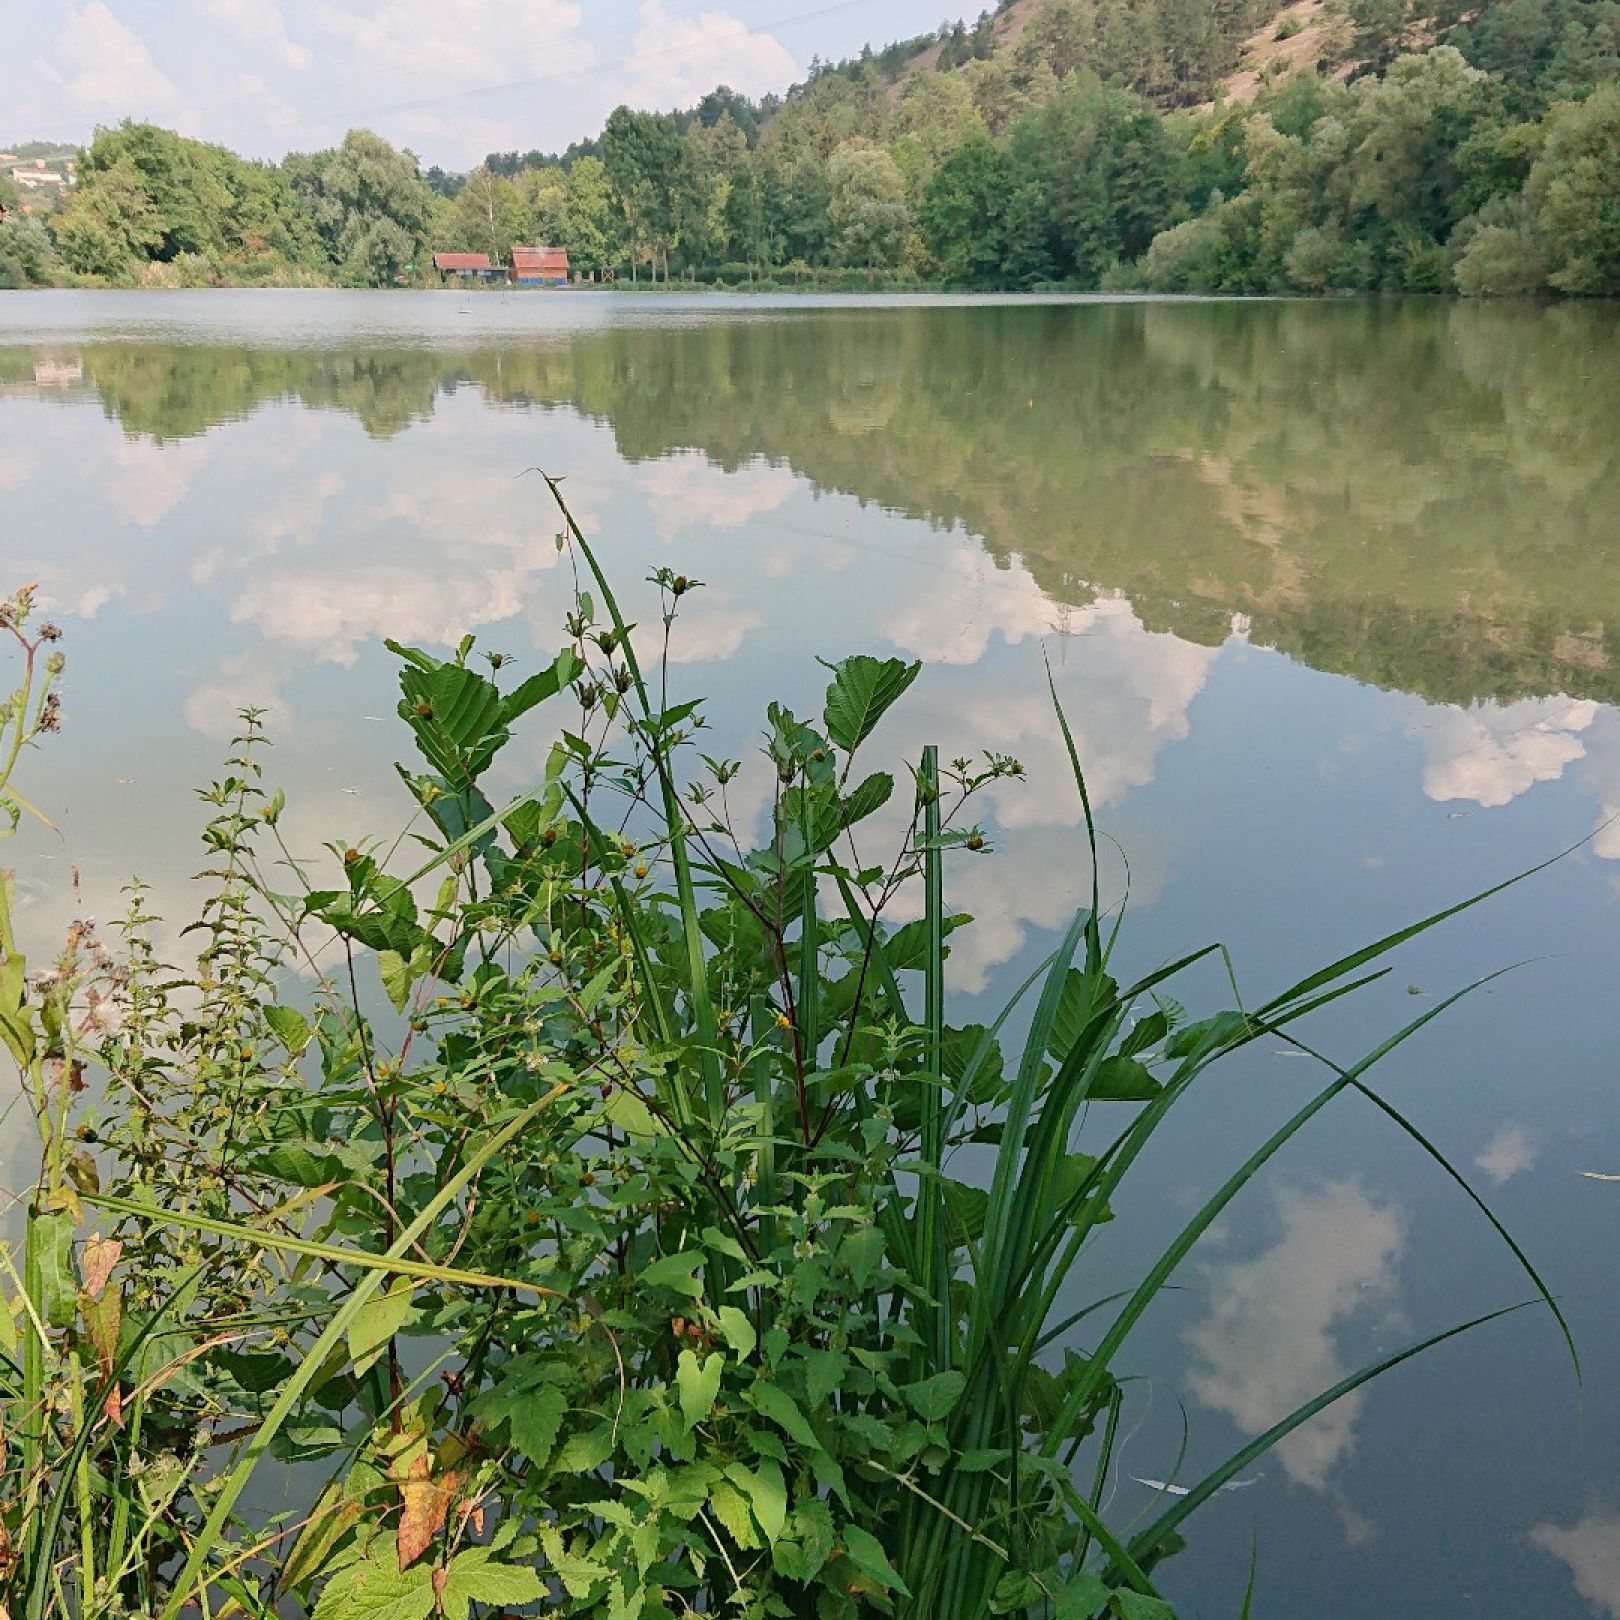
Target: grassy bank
[(595, 1211)]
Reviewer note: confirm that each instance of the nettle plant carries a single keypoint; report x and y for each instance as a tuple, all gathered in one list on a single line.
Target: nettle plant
[(583, 1202)]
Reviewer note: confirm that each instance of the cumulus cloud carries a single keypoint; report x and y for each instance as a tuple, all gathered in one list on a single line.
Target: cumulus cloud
[(258, 23), (1271, 1338), (103, 66), (249, 680), (687, 491), (454, 45), (679, 59), (1509, 1153), (1491, 753), (1590, 1548), (149, 480)]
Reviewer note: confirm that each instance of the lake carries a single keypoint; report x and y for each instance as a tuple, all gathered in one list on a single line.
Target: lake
[(1331, 595)]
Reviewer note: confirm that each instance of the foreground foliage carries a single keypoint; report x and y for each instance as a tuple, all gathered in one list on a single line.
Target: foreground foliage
[(599, 1213)]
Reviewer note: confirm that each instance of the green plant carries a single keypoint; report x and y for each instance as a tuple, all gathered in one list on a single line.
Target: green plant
[(597, 1219)]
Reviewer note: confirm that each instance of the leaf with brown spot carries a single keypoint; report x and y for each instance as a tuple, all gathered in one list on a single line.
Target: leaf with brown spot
[(426, 1501), (99, 1257)]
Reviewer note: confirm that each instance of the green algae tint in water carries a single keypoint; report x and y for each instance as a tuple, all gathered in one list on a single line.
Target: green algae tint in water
[(1331, 596)]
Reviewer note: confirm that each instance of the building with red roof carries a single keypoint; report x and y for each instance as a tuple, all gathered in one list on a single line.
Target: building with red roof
[(540, 266)]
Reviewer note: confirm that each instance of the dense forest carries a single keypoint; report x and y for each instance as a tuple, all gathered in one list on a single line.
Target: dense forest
[(1174, 145)]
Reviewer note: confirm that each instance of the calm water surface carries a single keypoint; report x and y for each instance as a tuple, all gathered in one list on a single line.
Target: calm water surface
[(1332, 595)]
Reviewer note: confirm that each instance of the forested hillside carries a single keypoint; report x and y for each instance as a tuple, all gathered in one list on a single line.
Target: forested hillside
[(1177, 145)]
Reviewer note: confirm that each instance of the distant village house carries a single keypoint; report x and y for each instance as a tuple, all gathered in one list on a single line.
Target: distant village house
[(473, 266), (540, 266)]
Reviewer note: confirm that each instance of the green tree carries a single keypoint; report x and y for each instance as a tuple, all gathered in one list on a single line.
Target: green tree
[(591, 229), (489, 215), (1574, 190), (642, 152), (355, 188), (867, 210), (963, 215), (110, 225)]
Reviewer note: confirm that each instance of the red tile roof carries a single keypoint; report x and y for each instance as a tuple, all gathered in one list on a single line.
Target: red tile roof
[(546, 260), (462, 261)]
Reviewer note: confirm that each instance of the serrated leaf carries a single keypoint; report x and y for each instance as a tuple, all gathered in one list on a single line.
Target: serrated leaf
[(823, 1373), (1138, 1606), (377, 1591), (862, 689), (533, 1415), (932, 1398), (290, 1027), (812, 1525), (424, 1502), (475, 1577), (1082, 1597), (729, 1506)]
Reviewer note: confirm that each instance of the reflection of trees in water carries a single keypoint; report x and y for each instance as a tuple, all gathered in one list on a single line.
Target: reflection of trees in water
[(1417, 495)]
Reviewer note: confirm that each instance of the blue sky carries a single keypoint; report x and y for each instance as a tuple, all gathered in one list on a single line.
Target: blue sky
[(452, 79)]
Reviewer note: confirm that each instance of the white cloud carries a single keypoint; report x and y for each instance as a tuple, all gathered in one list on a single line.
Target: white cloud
[(677, 59), (151, 479), (16, 467), (1509, 1153), (1270, 1340), (456, 45), (1591, 1549), (105, 68), (330, 611), (687, 491), (258, 23), (1491, 753), (251, 679)]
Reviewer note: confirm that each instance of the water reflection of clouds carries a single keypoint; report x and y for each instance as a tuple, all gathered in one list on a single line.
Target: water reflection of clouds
[(1511, 1151), (1590, 1548), (686, 491), (1272, 1337), (1491, 753), (147, 481)]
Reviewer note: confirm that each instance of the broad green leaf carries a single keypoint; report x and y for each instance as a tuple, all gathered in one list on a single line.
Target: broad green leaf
[(677, 1272), (1122, 1079), (862, 689), (538, 688), (823, 1373), (377, 1591), (1082, 1597), (1137, 1606), (933, 1398), (52, 1238), (397, 977), (738, 1330), (731, 1508), (766, 1494), (289, 1026), (377, 1321), (697, 1383), (813, 1526), (774, 1402), (474, 1576), (533, 1414), (867, 1554)]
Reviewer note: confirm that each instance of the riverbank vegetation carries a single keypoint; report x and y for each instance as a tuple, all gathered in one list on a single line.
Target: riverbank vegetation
[(1174, 145), (577, 1204)]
